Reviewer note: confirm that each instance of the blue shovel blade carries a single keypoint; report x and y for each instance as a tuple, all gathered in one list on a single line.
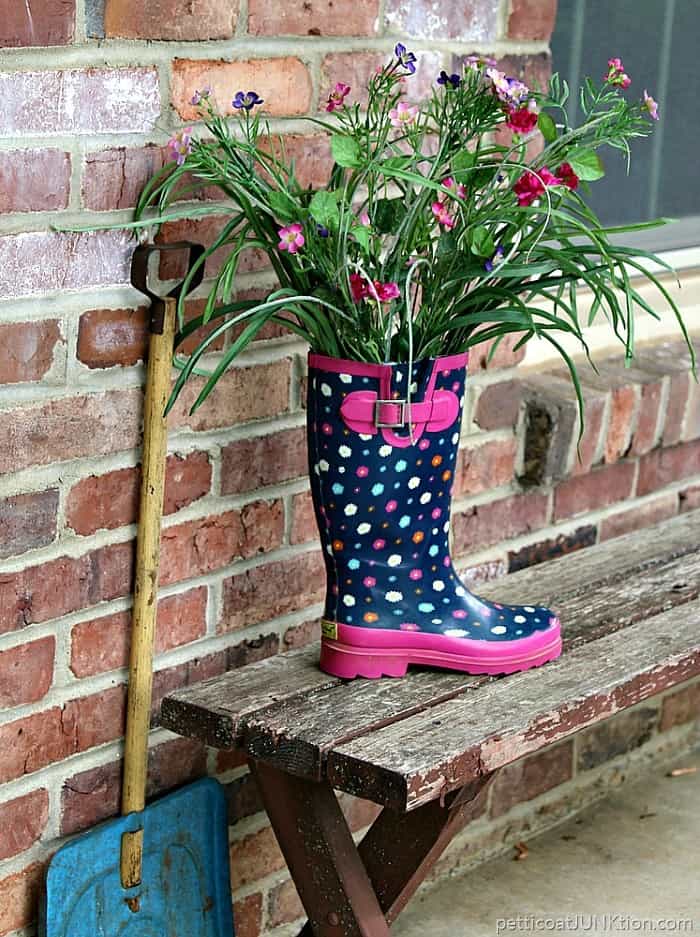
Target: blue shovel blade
[(185, 889)]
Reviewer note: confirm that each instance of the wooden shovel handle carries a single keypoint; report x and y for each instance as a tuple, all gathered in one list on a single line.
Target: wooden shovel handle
[(138, 710)]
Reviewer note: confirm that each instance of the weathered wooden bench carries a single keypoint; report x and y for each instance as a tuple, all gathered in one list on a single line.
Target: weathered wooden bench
[(426, 747)]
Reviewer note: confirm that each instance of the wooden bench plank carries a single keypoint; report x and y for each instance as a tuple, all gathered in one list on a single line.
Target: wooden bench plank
[(219, 711), (297, 734), (421, 758)]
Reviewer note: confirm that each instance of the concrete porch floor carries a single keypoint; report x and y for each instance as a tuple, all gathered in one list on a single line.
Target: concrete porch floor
[(634, 856)]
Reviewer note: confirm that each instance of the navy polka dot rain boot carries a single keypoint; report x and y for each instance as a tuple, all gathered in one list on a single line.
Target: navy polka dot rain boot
[(382, 493)]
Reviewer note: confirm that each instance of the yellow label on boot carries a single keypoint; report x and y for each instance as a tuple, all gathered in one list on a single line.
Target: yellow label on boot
[(329, 629)]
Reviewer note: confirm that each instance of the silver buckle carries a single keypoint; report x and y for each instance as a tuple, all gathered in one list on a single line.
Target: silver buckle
[(403, 415)]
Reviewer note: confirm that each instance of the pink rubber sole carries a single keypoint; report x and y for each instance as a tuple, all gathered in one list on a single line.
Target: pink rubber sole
[(391, 653)]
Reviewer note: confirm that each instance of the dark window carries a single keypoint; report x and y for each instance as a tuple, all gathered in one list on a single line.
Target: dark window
[(658, 42)]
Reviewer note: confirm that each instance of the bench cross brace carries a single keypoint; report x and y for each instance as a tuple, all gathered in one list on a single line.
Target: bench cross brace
[(351, 891)]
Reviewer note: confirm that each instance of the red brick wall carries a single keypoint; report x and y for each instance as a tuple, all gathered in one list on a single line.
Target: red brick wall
[(88, 101)]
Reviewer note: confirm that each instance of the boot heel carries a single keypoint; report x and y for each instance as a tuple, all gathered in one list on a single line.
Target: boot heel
[(346, 662)]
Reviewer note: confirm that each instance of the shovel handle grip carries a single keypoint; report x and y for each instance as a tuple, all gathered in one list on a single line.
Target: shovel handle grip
[(138, 711)]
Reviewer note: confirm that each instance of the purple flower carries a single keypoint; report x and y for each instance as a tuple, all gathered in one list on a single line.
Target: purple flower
[(246, 101), (453, 80), (323, 232), (200, 96), (180, 145), (406, 59), (490, 264), (650, 105)]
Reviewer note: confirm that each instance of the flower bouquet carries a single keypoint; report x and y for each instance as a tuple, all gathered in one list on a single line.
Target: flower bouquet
[(431, 235)]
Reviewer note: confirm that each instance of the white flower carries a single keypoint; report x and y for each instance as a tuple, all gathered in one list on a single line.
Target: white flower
[(325, 390), (393, 596)]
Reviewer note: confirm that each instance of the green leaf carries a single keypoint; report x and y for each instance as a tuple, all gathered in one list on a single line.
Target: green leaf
[(362, 235), (324, 208), (346, 151), (283, 207), (547, 127), (386, 214), (462, 164), (586, 164), (398, 162), (481, 242)]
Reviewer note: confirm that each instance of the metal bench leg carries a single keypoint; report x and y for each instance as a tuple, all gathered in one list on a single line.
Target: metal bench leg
[(325, 864)]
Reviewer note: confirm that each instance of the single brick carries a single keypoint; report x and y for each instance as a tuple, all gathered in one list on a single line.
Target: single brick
[(689, 498), (641, 515), (34, 180), (551, 548), (91, 796), (22, 820), (26, 672), (314, 18), (680, 707), (284, 84), (529, 777), (248, 464), (254, 857), (303, 519), (27, 521), (252, 650), (485, 524), (532, 19), (33, 742), (472, 21), (19, 898), (49, 23), (179, 20), (482, 467), (597, 489), (498, 405), (112, 500), (67, 584), (247, 915), (643, 426), (200, 546), (670, 360), (356, 69), (664, 466), (79, 101), (283, 904), (274, 589), (301, 635), (552, 449), (44, 262), (242, 394), (69, 428), (311, 154), (482, 357), (102, 644), (27, 350), (242, 798), (613, 737), (691, 425), (115, 177), (96, 719)]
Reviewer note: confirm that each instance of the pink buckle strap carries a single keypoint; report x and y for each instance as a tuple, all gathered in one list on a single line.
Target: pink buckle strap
[(363, 412)]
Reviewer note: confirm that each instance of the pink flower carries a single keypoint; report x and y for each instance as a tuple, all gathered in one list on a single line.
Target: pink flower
[(409, 626), (521, 119), (361, 289), (387, 291), (403, 115), (369, 581), (291, 238), (364, 220), (358, 287), (530, 186), (443, 216), (616, 74), (460, 191), (650, 105), (337, 96), (567, 176), (180, 145)]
